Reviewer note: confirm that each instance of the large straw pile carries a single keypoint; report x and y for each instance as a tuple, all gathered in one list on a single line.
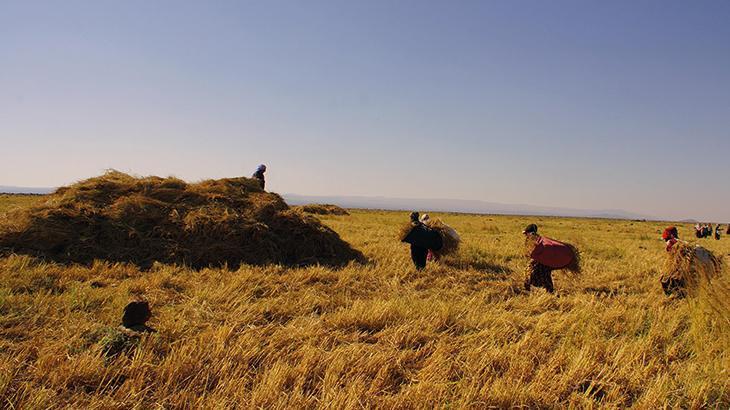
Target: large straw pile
[(118, 217)]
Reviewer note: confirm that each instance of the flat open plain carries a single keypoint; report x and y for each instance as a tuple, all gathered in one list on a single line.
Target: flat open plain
[(462, 333)]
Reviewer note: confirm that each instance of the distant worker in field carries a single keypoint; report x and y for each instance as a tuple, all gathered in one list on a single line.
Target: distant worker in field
[(259, 174), (706, 230), (428, 236), (547, 255), (728, 230), (422, 239), (718, 232), (687, 267)]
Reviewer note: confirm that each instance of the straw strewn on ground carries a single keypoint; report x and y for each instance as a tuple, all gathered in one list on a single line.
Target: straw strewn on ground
[(322, 209), (461, 333)]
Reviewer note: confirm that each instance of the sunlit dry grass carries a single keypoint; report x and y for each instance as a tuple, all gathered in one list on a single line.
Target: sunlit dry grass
[(462, 333), (8, 202)]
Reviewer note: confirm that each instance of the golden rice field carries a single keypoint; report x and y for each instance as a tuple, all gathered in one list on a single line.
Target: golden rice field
[(461, 334)]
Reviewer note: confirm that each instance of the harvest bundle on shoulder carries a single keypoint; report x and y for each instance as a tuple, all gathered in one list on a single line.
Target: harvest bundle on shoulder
[(430, 239), (546, 255)]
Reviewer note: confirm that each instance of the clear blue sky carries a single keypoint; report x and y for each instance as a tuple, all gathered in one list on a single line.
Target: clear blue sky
[(584, 104)]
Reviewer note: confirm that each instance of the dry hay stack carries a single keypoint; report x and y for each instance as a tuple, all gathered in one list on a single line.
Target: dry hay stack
[(694, 265), (118, 217), (322, 209)]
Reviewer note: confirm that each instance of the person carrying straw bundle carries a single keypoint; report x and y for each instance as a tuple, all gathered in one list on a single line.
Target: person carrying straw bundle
[(451, 238), (547, 255), (429, 236), (687, 267)]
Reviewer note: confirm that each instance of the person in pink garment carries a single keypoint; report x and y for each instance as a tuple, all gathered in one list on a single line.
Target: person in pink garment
[(545, 256)]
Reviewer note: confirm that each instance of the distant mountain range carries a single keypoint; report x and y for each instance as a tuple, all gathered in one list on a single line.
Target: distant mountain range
[(24, 190), (422, 204), (459, 205)]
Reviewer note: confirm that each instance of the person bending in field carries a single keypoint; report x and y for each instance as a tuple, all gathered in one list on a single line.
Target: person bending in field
[(547, 255), (673, 282), (259, 174), (687, 265), (135, 317), (422, 240)]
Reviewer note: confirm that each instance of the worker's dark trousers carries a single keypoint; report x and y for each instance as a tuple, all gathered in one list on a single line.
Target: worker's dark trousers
[(540, 276), (673, 286), (419, 255)]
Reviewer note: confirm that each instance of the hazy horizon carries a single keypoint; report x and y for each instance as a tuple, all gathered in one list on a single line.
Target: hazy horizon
[(583, 105), (458, 205)]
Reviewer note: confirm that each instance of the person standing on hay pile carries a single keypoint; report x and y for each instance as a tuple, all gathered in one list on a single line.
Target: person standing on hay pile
[(259, 174), (547, 255), (687, 265), (428, 236)]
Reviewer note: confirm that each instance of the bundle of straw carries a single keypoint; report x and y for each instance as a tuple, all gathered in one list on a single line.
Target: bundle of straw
[(692, 265), (450, 237), (575, 265), (404, 231)]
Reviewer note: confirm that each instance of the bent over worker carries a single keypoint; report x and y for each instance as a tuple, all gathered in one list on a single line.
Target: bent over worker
[(545, 256), (688, 266)]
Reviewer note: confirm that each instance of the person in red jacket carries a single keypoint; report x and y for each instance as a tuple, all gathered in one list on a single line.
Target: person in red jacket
[(545, 256), (672, 281), (671, 237)]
